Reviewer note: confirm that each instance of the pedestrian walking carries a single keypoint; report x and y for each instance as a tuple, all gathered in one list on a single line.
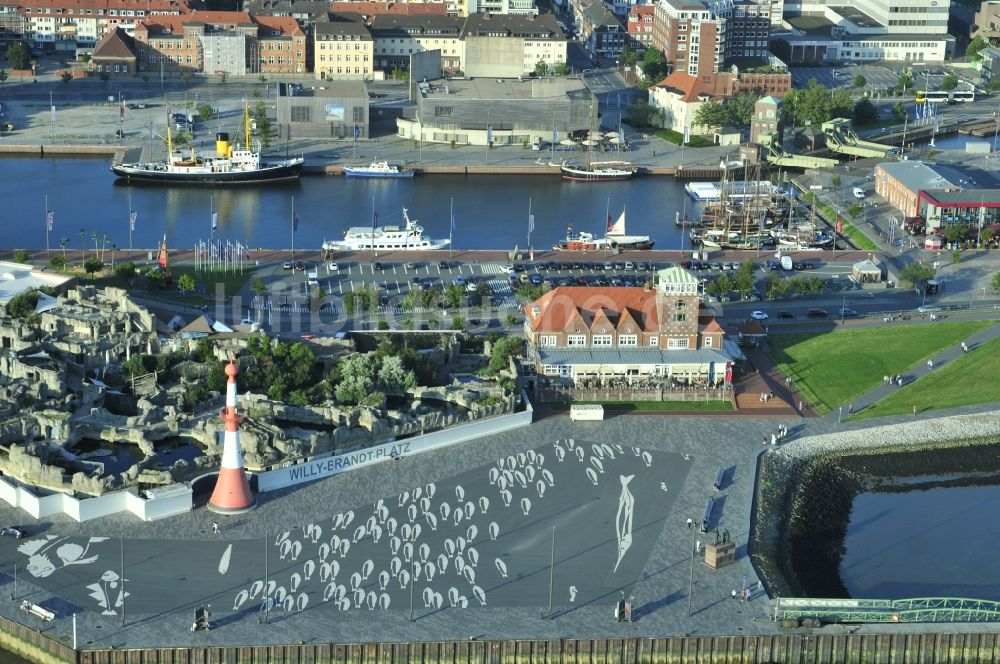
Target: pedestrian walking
[(215, 528), (733, 593), (914, 409), (965, 349), (743, 595), (765, 441), (690, 523), (654, 153), (774, 439), (930, 365), (800, 405), (850, 409)]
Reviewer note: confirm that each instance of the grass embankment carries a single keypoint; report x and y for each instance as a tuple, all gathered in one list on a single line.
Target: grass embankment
[(834, 367), (971, 379), (676, 138), (652, 406), (848, 230)]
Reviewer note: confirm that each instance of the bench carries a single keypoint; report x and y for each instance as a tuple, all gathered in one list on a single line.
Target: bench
[(720, 477), (706, 520)]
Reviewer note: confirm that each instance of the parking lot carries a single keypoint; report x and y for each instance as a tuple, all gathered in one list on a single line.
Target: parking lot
[(878, 80)]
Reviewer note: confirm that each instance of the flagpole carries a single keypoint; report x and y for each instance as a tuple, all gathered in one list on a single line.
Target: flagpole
[(374, 218), (451, 233), (211, 225), (531, 225), (293, 228), (130, 224), (46, 219)]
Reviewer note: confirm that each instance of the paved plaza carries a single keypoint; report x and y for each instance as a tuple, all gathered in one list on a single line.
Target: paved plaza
[(466, 532)]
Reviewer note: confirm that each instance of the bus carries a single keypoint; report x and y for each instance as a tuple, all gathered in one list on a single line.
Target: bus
[(963, 95), (931, 96)]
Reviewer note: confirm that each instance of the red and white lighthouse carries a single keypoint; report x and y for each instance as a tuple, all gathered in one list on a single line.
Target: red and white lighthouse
[(232, 490)]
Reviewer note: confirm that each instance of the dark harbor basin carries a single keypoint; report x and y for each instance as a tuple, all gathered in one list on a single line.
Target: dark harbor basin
[(874, 522), (935, 542)]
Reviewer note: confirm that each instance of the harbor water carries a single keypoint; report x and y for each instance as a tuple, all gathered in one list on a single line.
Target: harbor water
[(490, 211)]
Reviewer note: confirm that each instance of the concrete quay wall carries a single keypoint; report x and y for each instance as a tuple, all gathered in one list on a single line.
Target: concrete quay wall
[(797, 648)]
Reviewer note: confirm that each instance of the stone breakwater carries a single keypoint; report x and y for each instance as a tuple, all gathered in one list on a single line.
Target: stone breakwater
[(804, 492)]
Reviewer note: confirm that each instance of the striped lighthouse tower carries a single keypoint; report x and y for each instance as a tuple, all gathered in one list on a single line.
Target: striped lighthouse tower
[(232, 491)]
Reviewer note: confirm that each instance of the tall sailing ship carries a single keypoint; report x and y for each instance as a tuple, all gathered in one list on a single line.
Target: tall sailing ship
[(228, 165)]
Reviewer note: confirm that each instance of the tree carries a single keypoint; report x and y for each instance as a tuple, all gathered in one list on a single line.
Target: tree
[(949, 82), (975, 46), (382, 324), (995, 282), (864, 111), (58, 263), (915, 273), (66, 77), (258, 286), (125, 270), (21, 256), (92, 265), (904, 80), (654, 66), (740, 109), (503, 349), (899, 111), (104, 76), (19, 55), (836, 181), (357, 380), (560, 69), (743, 279), (711, 114), (394, 377), (186, 283), (628, 56), (155, 276), (454, 295), (263, 123), (643, 114), (541, 68), (22, 305), (457, 322), (185, 77), (205, 112), (3, 75), (860, 81)]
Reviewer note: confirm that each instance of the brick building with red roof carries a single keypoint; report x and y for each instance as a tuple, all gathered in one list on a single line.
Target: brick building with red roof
[(578, 332)]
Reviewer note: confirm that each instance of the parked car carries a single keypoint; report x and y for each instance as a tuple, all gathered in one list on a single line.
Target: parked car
[(377, 265), (300, 266), (17, 532), (334, 267), (817, 313)]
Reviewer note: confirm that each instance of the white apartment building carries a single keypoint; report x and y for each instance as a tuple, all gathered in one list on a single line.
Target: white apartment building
[(70, 23)]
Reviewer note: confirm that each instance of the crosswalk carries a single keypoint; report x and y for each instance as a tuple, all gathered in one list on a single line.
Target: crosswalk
[(493, 268)]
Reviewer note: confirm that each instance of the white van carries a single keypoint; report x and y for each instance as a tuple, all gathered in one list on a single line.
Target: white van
[(859, 193)]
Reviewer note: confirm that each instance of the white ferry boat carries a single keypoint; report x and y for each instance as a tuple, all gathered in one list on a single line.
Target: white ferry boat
[(738, 190), (378, 169), (409, 237)]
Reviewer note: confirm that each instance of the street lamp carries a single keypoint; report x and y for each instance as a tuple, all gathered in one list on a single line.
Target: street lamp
[(694, 532)]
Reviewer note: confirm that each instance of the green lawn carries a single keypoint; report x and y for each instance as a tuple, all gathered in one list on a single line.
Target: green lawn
[(682, 406), (231, 282), (848, 230), (970, 379), (676, 137), (834, 367)]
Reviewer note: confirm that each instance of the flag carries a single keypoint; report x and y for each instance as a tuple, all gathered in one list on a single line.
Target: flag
[(531, 223), (53, 113), (50, 218), (295, 222), (131, 220), (840, 224), (687, 135), (611, 224), (215, 221), (489, 134), (357, 132)]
